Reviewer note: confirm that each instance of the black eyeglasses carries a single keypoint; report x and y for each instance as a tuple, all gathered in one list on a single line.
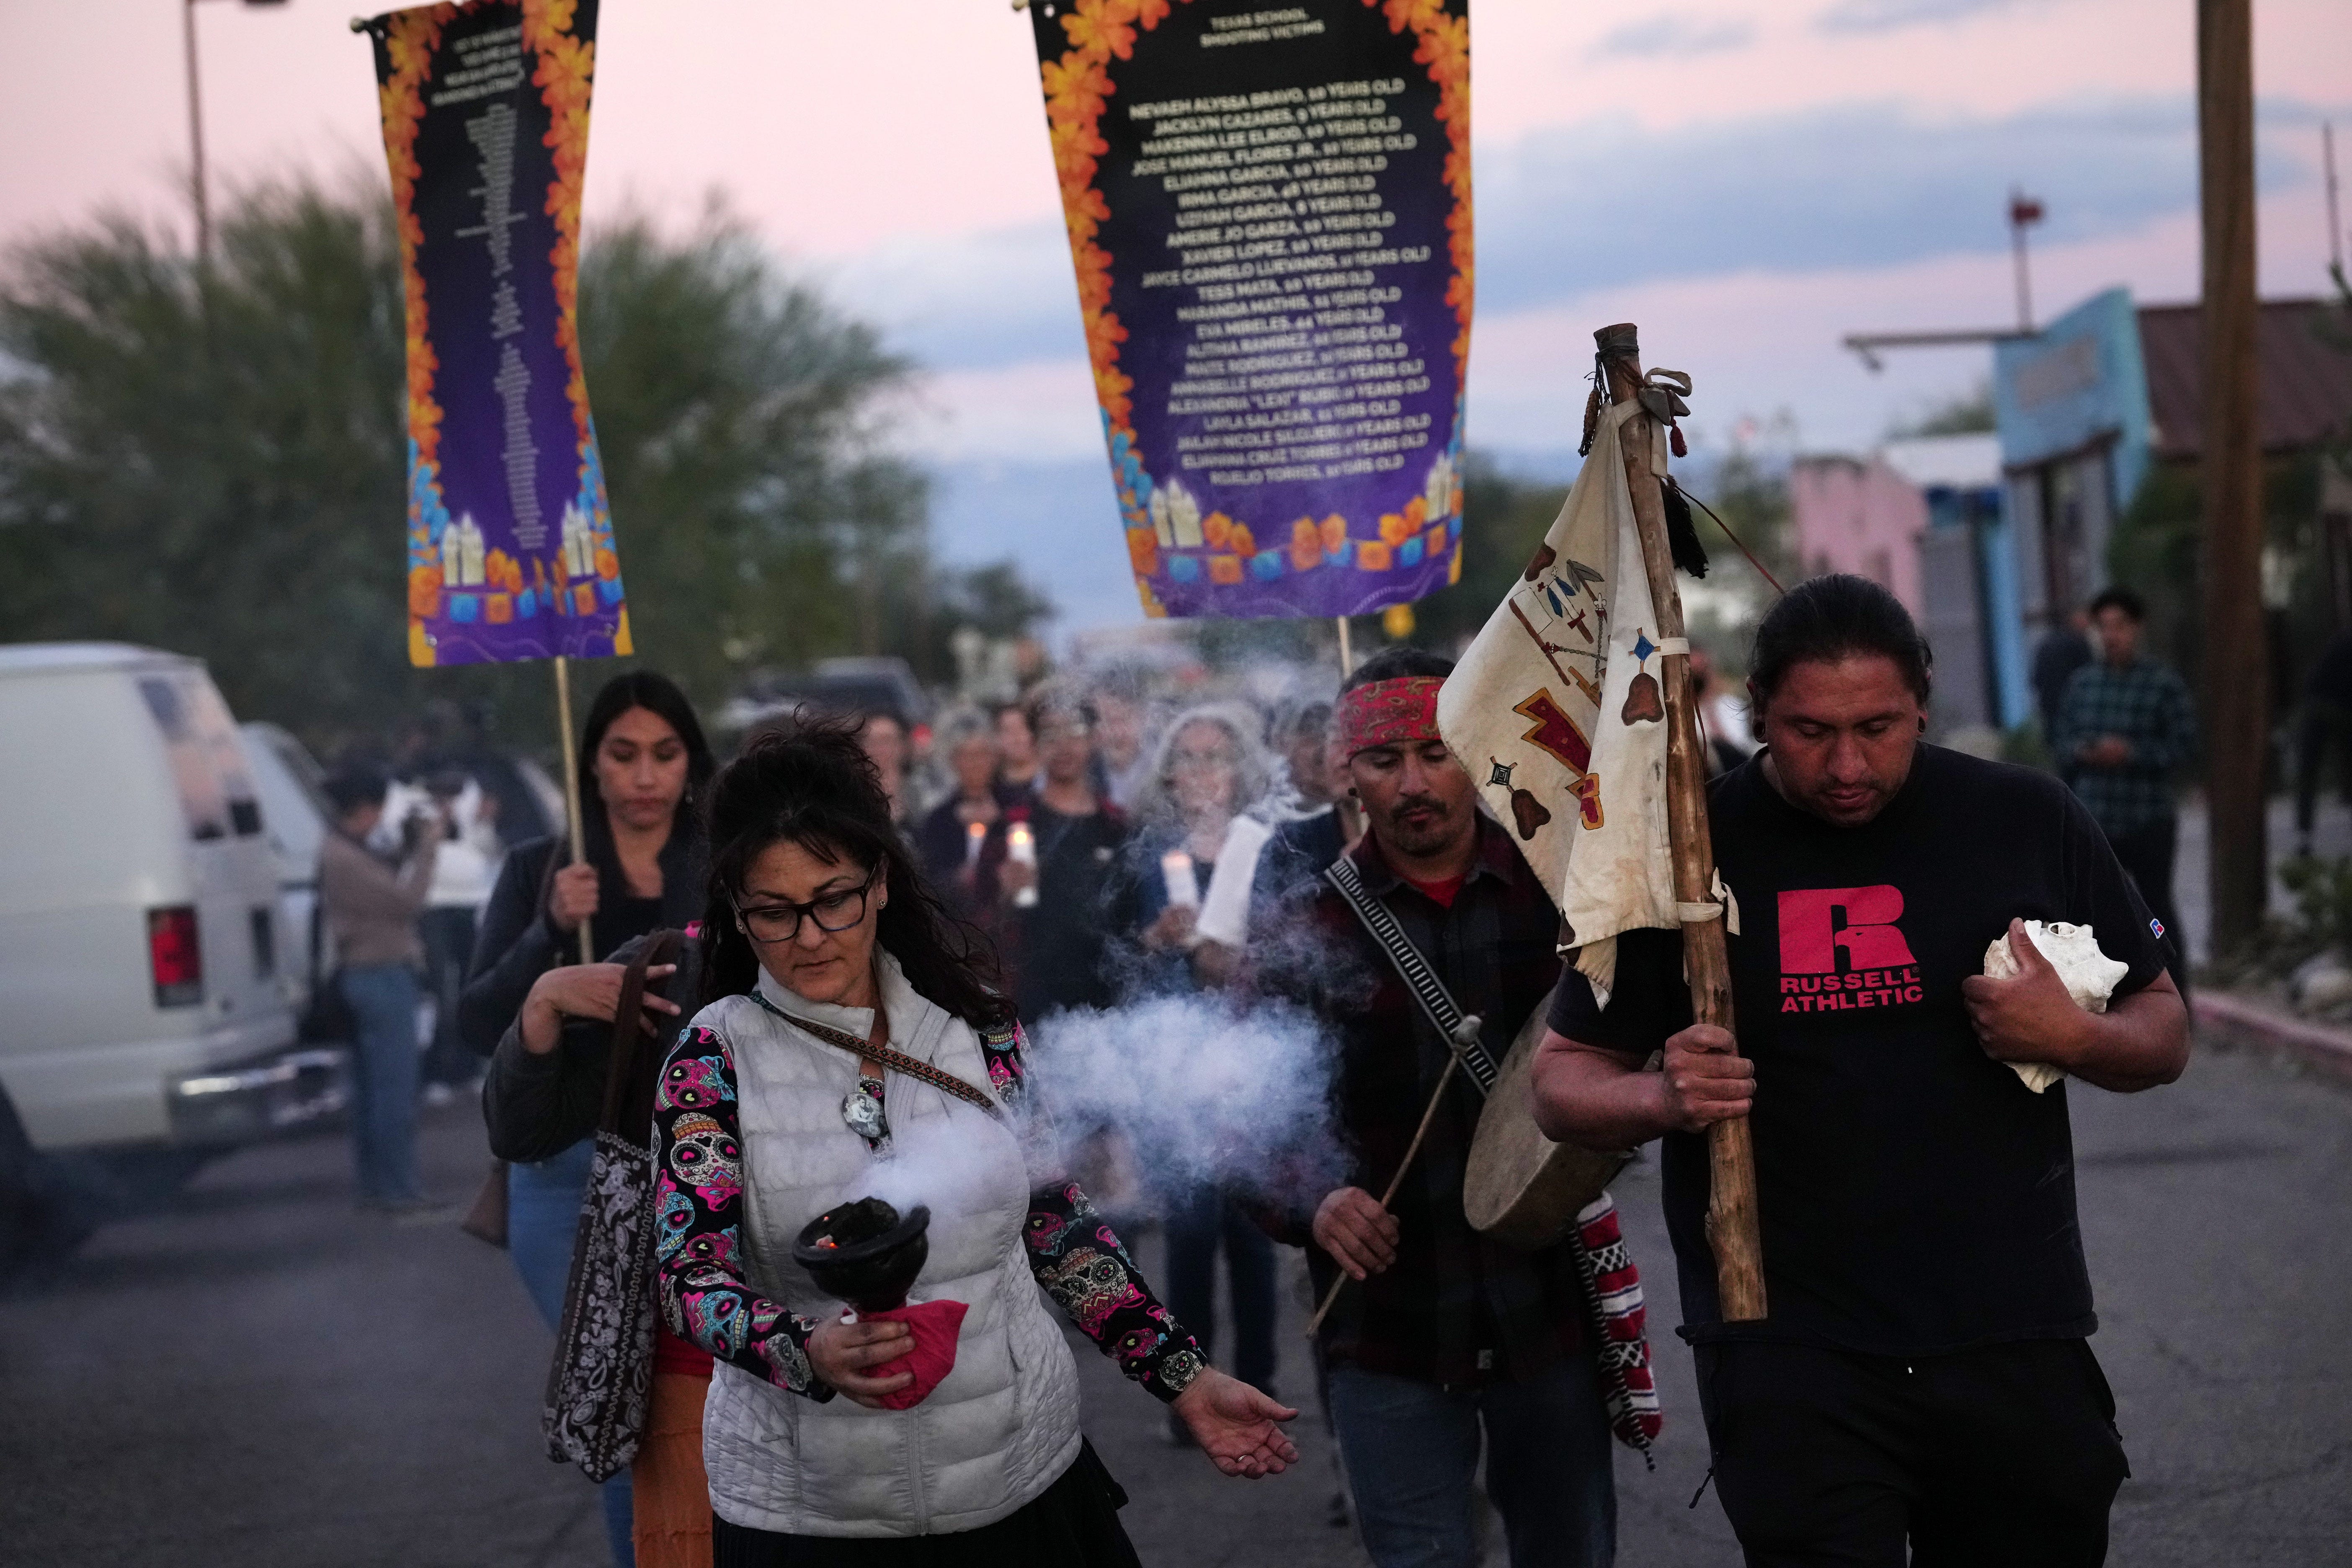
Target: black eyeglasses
[(781, 921)]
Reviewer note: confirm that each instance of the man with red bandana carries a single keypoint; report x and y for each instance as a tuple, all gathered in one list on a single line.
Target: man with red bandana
[(1442, 1333)]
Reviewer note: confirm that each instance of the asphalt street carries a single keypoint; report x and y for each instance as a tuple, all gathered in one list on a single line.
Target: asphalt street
[(257, 1374)]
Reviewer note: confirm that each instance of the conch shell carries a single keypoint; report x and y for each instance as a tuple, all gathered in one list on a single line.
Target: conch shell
[(2090, 976)]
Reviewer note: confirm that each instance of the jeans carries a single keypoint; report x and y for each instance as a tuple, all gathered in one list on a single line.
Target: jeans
[(382, 999), (542, 1221), (1411, 1453), (1197, 1222), (2326, 727), (448, 933)]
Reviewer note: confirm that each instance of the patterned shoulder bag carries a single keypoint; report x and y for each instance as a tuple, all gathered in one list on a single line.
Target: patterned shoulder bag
[(597, 1384)]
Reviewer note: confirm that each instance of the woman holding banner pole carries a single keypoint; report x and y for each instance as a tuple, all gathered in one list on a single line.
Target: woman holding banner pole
[(643, 761)]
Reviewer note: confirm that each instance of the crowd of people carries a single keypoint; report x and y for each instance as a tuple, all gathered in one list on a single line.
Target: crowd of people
[(880, 924)]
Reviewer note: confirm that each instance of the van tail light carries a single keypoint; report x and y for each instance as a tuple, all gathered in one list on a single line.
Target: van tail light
[(174, 957)]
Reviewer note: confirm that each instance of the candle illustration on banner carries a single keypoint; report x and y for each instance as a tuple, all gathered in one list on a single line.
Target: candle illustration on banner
[(579, 544), (470, 551), (1183, 887), (1021, 850)]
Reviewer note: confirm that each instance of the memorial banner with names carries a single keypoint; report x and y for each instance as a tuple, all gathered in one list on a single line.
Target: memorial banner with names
[(1269, 210), (511, 551)]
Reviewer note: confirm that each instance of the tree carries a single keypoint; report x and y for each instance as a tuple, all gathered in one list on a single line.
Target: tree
[(1971, 414), (1503, 519), (761, 520), (210, 460)]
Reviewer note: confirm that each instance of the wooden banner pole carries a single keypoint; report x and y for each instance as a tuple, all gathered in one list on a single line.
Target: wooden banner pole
[(572, 788), (1347, 649), (1731, 1218)]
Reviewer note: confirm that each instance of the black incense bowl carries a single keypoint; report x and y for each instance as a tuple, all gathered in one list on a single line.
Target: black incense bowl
[(875, 1255)]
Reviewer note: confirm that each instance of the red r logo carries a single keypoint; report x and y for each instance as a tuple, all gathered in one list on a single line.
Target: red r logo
[(1816, 922)]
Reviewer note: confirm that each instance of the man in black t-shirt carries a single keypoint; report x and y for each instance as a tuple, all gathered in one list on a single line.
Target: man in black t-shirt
[(1923, 1372)]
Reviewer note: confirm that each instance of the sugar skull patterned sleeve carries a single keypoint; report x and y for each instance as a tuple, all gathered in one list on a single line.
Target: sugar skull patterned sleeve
[(699, 1204), (1079, 1259)]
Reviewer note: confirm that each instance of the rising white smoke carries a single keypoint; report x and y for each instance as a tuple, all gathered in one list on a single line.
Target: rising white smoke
[(1206, 1092)]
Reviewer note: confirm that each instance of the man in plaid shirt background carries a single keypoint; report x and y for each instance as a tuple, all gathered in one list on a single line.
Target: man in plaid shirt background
[(2125, 723)]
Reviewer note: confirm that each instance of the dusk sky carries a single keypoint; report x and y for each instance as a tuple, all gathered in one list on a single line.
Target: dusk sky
[(1746, 180)]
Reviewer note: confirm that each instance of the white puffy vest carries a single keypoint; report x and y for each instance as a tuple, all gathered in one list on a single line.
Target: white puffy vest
[(1005, 1424)]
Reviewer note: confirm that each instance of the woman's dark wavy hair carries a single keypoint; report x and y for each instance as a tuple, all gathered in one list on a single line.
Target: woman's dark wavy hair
[(1833, 617), (810, 783), (657, 694)]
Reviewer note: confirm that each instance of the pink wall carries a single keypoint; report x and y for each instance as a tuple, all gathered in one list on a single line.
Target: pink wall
[(1859, 516)]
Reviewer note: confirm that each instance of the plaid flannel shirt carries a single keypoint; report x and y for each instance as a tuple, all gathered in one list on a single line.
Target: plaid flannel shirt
[(2145, 703), (1456, 1309)]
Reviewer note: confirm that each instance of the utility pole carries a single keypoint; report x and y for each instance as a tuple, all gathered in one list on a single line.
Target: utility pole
[(196, 133), (2335, 218), (2023, 212), (2237, 698), (196, 127)]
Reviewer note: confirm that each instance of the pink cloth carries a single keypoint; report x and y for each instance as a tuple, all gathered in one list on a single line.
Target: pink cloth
[(935, 1325)]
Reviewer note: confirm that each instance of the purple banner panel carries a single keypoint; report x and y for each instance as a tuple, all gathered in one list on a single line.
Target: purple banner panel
[(510, 551), (1269, 209)]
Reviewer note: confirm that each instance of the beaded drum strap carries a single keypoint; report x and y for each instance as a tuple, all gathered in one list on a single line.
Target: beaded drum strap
[(897, 1060)]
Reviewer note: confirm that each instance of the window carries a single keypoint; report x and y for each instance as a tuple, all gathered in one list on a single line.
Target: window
[(208, 762)]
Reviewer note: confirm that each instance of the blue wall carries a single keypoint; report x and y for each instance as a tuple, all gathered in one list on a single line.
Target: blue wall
[(2079, 379)]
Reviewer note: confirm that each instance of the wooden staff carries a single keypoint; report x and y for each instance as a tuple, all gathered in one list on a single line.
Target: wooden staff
[(1731, 1225), (1437, 1098), (572, 788)]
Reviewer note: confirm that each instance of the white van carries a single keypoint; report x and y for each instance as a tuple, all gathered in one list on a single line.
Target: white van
[(149, 971), (290, 786)]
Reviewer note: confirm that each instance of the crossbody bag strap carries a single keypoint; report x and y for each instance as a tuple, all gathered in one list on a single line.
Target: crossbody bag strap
[(631, 1067), (889, 1057), (1459, 1030)]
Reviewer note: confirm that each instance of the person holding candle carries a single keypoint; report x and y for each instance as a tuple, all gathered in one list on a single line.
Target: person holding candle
[(961, 842), (1016, 754), (1076, 838), (853, 1030), (1209, 766)]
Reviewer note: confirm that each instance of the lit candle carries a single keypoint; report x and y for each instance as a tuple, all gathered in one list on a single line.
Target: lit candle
[(975, 834), (1183, 887), (1022, 849)]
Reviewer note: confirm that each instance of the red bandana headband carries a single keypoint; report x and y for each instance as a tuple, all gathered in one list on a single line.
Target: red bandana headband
[(1400, 713)]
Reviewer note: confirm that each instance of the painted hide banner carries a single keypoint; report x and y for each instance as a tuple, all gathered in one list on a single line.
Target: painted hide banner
[(1557, 712), (510, 551), (1269, 211)]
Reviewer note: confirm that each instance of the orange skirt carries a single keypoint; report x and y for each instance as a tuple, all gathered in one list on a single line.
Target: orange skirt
[(668, 1485)]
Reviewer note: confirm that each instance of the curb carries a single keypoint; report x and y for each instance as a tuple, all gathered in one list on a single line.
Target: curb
[(2240, 1022)]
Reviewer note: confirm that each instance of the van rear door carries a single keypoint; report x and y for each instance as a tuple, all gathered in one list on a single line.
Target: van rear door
[(243, 951)]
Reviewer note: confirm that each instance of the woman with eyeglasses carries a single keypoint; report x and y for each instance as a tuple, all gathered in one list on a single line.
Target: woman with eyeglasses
[(854, 1036), (1210, 767)]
